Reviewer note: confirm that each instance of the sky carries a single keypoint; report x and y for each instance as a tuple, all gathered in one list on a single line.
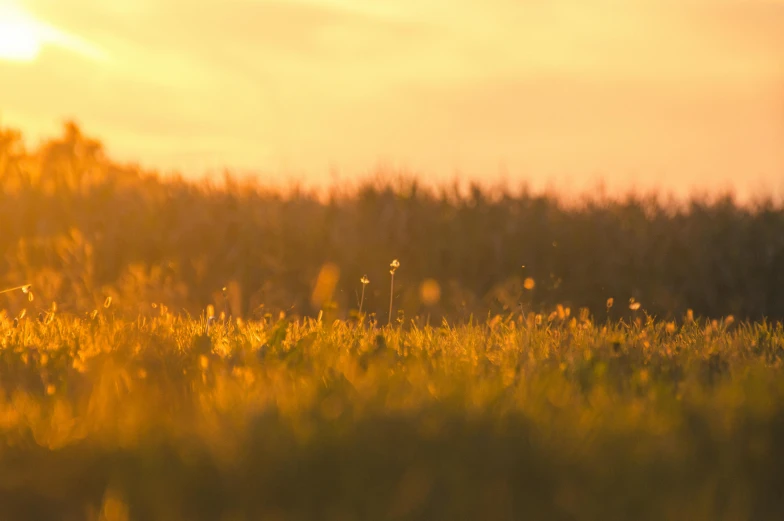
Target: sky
[(680, 95)]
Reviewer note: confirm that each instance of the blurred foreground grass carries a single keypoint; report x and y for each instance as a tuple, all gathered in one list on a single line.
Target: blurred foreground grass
[(168, 419)]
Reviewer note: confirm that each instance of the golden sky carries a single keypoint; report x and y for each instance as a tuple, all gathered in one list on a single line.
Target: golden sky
[(671, 93)]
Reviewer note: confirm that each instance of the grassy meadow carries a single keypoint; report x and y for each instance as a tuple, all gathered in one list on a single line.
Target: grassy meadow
[(81, 227), (181, 350), (169, 418)]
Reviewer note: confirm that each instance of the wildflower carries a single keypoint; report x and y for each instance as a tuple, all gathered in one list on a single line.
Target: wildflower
[(610, 302), (365, 281), (395, 264), (26, 289)]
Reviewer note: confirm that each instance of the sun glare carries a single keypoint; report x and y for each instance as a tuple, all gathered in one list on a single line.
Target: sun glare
[(22, 37), (19, 36)]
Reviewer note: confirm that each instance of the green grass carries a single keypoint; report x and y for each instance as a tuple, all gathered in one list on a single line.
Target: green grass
[(102, 418)]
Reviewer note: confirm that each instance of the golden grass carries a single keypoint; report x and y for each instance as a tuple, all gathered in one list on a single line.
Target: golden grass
[(155, 418)]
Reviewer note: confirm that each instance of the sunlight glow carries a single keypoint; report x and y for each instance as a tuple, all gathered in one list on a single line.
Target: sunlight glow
[(22, 37), (19, 37)]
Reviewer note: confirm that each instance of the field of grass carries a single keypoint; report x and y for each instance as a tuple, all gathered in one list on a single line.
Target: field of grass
[(479, 395), (543, 418), (80, 227)]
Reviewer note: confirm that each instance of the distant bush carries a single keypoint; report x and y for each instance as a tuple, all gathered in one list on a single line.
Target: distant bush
[(80, 227)]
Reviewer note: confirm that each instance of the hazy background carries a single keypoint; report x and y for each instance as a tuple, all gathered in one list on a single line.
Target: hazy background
[(676, 94)]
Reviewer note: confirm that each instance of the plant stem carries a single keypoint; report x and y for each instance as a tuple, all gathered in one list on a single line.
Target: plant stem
[(391, 297), (9, 290), (361, 301)]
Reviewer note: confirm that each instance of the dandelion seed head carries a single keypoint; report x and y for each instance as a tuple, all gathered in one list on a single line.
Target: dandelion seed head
[(364, 280)]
